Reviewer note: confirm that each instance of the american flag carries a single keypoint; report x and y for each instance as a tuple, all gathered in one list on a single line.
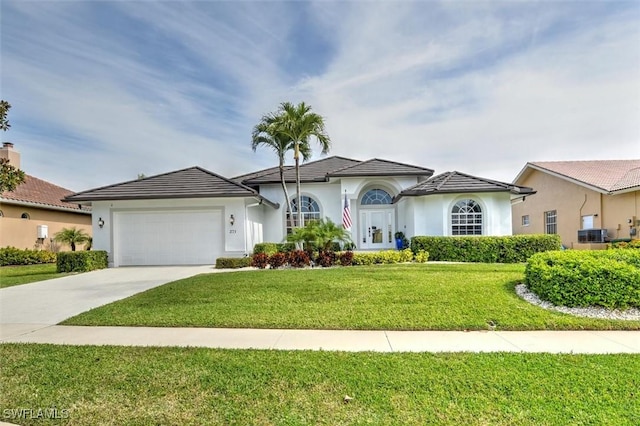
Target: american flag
[(346, 214)]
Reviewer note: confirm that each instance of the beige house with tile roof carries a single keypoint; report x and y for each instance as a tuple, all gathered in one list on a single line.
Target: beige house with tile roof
[(586, 202), (32, 214)]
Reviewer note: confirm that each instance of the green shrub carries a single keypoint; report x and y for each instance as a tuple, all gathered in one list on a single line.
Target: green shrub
[(507, 249), (608, 278), (633, 244), (382, 257), (232, 262), (81, 261), (421, 257), (14, 256), (266, 248), (285, 247)]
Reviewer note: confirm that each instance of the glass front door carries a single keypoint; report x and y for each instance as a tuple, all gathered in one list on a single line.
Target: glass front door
[(376, 229)]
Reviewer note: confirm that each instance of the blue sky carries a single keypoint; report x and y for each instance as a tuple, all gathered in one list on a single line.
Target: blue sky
[(104, 90)]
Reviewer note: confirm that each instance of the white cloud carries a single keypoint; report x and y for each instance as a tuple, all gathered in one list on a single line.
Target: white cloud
[(478, 87)]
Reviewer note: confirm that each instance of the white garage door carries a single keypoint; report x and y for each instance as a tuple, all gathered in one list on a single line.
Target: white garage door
[(192, 237)]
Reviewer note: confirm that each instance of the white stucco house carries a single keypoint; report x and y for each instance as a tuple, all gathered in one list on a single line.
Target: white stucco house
[(193, 216)]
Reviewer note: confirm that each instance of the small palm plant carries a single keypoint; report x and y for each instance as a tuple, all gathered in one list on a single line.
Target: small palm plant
[(320, 234), (71, 236)]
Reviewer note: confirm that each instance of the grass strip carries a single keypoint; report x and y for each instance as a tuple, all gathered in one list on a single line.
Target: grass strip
[(140, 386), (16, 275), (383, 297)]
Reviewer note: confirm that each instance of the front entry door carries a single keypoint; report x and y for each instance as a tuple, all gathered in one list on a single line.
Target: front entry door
[(376, 229)]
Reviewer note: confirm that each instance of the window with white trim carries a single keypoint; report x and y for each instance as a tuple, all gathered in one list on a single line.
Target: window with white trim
[(525, 220), (310, 211), (376, 197), (551, 222), (466, 218)]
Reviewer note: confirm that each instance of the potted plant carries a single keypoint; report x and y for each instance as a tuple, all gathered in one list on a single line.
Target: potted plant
[(401, 240)]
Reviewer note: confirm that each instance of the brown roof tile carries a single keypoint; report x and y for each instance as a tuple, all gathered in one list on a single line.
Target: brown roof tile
[(41, 192), (607, 175), (456, 182), (193, 182)]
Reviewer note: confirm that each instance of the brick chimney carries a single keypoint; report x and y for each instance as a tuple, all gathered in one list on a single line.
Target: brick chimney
[(7, 151)]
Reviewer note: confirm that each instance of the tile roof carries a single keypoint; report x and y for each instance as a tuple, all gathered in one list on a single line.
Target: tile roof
[(605, 175), (460, 183), (321, 170), (41, 193), (315, 171), (378, 167), (253, 175), (194, 182)]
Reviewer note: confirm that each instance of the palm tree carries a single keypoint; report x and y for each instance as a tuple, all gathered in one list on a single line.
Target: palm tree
[(299, 124), (320, 234), (71, 236), (267, 133)]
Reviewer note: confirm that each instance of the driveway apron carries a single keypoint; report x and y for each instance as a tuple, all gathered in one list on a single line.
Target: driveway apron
[(28, 307)]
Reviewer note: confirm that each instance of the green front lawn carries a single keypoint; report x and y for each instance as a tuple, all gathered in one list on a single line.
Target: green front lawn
[(389, 297), (180, 386), (16, 275)]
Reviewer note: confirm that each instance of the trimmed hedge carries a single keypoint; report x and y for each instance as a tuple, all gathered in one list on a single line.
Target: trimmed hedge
[(14, 256), (633, 244), (386, 257), (608, 278), (81, 261), (508, 249), (232, 262)]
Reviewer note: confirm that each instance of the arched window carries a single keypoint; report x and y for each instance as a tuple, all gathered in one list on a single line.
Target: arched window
[(25, 216), (466, 218), (375, 197), (310, 211)]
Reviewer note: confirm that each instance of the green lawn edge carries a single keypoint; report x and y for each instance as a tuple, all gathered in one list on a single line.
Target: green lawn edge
[(428, 296)]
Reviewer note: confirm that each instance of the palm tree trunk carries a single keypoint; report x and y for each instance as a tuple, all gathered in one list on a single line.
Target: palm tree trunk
[(296, 156), (284, 189)]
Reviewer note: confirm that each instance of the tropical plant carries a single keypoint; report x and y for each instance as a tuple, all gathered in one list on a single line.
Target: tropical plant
[(71, 236), (299, 124), (10, 176), (267, 133), (319, 234)]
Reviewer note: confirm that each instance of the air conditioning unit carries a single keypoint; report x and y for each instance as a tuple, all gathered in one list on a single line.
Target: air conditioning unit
[(43, 231), (592, 235)]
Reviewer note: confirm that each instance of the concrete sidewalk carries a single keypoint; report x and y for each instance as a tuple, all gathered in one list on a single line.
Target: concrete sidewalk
[(587, 342)]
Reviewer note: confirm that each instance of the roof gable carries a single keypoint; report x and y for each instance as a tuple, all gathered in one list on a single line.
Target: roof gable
[(194, 182), (461, 183), (315, 171), (607, 176), (379, 167), (41, 193)]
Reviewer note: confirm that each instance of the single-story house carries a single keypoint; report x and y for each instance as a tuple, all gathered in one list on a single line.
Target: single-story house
[(587, 203), (193, 216), (32, 214)]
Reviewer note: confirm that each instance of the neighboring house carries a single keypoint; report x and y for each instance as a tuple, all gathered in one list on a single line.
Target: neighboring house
[(34, 212), (193, 216), (586, 202)]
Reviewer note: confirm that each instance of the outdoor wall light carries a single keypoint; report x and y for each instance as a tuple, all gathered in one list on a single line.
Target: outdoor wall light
[(232, 220), (100, 223)]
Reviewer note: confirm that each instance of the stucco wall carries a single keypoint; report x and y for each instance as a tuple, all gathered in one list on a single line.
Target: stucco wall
[(432, 213), (572, 201), (236, 239), (22, 233)]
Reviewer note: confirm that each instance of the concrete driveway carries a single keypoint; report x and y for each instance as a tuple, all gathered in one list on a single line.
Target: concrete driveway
[(28, 307)]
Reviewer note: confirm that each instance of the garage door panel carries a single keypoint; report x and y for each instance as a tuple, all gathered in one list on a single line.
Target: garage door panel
[(168, 237)]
